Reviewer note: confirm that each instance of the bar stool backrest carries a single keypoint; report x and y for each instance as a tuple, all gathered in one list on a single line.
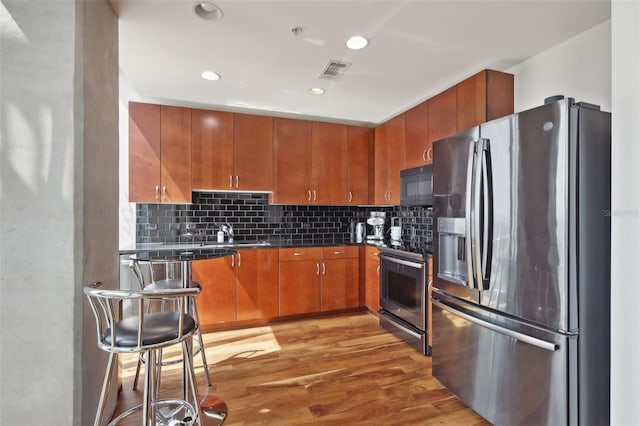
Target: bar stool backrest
[(146, 330), (148, 272)]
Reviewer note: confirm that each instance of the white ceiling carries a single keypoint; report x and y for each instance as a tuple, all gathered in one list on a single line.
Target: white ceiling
[(417, 49)]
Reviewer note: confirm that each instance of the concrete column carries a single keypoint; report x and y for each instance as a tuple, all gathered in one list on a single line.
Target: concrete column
[(58, 204)]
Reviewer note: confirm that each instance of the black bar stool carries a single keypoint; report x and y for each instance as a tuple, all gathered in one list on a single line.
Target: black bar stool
[(147, 333), (166, 275)]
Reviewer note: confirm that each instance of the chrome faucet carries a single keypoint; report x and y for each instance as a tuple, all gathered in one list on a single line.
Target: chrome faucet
[(228, 230)]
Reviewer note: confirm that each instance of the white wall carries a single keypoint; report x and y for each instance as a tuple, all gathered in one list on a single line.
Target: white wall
[(625, 239), (579, 68)]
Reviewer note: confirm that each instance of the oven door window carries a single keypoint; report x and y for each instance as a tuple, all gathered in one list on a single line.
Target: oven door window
[(403, 291)]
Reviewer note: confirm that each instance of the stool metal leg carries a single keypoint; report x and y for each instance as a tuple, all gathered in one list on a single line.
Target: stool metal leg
[(105, 385), (201, 343), (148, 415), (190, 376)]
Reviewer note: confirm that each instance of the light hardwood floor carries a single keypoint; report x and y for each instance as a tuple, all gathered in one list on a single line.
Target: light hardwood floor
[(340, 370)]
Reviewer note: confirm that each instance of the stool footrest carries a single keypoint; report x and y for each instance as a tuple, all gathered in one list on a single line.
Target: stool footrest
[(168, 412)]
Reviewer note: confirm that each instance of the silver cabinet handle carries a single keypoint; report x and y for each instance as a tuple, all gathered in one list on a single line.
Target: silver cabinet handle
[(157, 192), (424, 155), (230, 181), (430, 154), (378, 270), (233, 261), (350, 196), (542, 344), (309, 195), (164, 193), (315, 195), (297, 253), (239, 260), (338, 252), (237, 181), (317, 269), (324, 268)]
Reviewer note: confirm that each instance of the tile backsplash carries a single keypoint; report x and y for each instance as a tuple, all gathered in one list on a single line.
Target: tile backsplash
[(253, 219)]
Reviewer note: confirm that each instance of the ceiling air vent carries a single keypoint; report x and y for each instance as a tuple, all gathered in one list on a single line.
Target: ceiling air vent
[(334, 70)]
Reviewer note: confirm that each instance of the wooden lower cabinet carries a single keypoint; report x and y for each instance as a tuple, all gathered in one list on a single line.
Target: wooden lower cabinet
[(300, 283), (340, 270), (319, 279), (237, 288), (372, 279), (217, 300), (257, 284)]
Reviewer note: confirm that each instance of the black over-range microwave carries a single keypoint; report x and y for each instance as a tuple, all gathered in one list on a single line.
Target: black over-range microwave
[(416, 186)]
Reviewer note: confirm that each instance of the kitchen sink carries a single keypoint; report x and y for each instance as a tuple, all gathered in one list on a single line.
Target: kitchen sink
[(236, 244)]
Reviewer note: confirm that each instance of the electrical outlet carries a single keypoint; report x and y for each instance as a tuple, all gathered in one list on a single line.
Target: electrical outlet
[(191, 226), (151, 226), (174, 226)]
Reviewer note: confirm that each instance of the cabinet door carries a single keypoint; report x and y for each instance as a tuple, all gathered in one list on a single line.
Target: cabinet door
[(329, 163), (396, 142), (253, 152), (212, 149), (482, 97), (442, 115), (175, 143), (257, 283), (217, 300), (471, 105), (358, 165), (418, 150), (372, 279), (299, 287), (292, 161), (340, 278), (380, 165), (144, 153)]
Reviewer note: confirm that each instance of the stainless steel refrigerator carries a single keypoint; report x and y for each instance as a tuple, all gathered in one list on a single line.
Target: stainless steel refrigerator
[(521, 293)]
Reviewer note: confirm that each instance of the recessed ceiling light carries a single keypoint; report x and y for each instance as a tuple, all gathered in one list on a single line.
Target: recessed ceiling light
[(357, 42), (210, 75), (208, 11), (316, 91)]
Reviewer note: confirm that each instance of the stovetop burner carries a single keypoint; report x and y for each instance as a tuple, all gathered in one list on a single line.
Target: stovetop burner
[(406, 249)]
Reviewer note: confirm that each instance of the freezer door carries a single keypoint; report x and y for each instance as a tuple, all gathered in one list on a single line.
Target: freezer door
[(509, 373), (451, 180), (525, 159)]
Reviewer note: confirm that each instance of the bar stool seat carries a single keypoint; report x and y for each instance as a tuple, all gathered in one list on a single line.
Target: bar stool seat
[(147, 333)]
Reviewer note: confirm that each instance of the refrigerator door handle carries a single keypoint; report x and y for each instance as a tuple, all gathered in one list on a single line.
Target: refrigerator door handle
[(467, 231), (487, 215), (477, 215), (524, 338)]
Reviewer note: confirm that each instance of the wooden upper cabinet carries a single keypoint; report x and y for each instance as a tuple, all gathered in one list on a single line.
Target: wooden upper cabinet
[(292, 161), (144, 153), (388, 153), (359, 140), (175, 141), (482, 97), (418, 150), (212, 149), (329, 143), (442, 115), (253, 153), (159, 153)]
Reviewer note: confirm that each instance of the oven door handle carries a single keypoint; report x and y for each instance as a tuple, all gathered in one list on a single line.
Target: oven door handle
[(405, 330), (402, 262)]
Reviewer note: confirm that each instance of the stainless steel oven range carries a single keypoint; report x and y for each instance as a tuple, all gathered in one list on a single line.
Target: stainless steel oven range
[(404, 300)]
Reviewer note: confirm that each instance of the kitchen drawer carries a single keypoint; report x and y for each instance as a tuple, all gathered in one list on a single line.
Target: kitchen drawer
[(339, 252), (300, 253)]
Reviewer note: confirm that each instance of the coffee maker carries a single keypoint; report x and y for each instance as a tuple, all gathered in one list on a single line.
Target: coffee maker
[(376, 220)]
